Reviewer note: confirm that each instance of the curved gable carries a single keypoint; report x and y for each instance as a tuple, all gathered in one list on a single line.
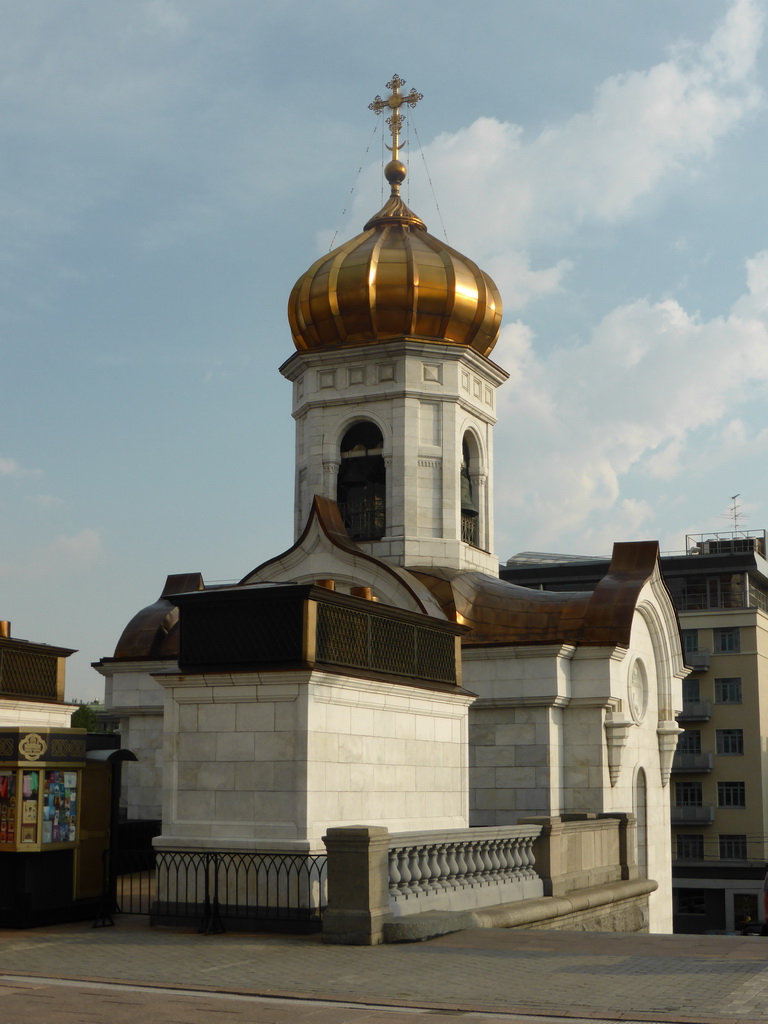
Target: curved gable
[(325, 551)]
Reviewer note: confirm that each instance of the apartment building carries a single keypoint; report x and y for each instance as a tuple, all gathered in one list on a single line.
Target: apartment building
[(719, 784)]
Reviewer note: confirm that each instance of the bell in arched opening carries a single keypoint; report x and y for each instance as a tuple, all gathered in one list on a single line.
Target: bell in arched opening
[(361, 486), (469, 509)]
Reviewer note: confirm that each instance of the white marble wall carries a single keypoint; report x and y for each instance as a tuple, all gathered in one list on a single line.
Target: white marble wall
[(277, 758), (31, 714), (516, 730), (538, 740), (134, 697)]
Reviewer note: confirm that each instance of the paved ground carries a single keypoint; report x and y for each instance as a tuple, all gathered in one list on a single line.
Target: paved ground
[(160, 975)]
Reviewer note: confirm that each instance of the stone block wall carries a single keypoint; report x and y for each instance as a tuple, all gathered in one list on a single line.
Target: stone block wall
[(135, 702), (511, 764), (279, 757)]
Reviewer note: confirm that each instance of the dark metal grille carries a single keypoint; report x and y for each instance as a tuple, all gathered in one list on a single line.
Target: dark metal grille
[(469, 529), (435, 655), (342, 636), (365, 640), (28, 674), (393, 646), (231, 633), (364, 520)]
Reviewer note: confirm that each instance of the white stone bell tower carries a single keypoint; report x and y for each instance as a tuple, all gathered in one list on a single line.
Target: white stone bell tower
[(394, 395)]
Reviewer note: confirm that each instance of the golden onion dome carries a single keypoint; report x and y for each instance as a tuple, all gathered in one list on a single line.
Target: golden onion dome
[(394, 280)]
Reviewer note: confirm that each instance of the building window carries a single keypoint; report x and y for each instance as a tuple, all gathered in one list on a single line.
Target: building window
[(688, 794), (690, 638), (730, 741), (690, 847), (728, 691), (727, 640), (726, 591), (691, 901), (691, 691), (730, 794), (690, 742), (733, 847)]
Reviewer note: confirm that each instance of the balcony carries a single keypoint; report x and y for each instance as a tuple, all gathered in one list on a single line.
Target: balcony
[(703, 815), (698, 660), (692, 762), (695, 711)]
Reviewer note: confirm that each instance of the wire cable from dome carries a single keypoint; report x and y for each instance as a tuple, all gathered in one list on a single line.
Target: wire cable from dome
[(412, 122), (352, 191)]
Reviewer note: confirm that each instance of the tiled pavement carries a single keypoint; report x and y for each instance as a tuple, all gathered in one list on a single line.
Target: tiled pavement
[(571, 975)]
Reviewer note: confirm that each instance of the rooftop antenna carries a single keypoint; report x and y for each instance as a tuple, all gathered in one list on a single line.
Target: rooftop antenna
[(736, 514)]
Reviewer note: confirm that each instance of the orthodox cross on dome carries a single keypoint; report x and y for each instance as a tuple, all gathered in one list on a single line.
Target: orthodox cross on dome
[(394, 101)]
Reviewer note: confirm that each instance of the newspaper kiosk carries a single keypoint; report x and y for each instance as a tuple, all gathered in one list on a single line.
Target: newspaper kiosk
[(41, 781)]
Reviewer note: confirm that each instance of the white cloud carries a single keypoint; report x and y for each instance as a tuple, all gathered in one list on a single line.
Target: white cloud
[(519, 283), (645, 130), (628, 521), (48, 501), (164, 17), (644, 126), (755, 302), (651, 378), (84, 546), (64, 555), (10, 467)]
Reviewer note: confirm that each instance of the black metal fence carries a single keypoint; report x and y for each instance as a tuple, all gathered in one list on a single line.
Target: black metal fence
[(134, 881), (246, 891), (243, 891)]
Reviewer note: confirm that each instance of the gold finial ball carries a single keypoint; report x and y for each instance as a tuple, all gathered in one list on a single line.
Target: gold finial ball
[(395, 172)]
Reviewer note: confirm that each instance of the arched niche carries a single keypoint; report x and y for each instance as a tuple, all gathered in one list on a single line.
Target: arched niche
[(640, 800)]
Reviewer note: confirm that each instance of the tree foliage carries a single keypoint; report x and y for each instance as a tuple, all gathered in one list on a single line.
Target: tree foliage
[(85, 717)]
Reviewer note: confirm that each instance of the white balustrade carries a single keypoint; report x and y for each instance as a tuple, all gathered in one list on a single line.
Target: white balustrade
[(425, 866)]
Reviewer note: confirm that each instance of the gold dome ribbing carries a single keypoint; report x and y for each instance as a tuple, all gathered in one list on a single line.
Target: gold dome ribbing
[(394, 280)]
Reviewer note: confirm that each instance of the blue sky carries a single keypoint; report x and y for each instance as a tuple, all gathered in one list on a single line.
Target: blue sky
[(170, 168)]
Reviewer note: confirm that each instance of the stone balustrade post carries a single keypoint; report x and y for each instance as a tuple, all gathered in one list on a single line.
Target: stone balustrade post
[(580, 850), (358, 885), (549, 852), (627, 843)]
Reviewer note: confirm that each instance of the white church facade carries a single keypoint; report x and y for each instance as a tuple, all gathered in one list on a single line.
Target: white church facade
[(379, 671)]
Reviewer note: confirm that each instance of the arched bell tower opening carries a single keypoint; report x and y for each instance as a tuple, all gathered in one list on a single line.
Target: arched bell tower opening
[(474, 523), (470, 514), (361, 483)]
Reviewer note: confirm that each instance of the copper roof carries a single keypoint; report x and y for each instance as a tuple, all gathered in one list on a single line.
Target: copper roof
[(153, 632), (501, 612)]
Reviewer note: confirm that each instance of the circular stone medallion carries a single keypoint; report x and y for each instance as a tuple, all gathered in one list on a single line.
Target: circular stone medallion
[(638, 691)]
